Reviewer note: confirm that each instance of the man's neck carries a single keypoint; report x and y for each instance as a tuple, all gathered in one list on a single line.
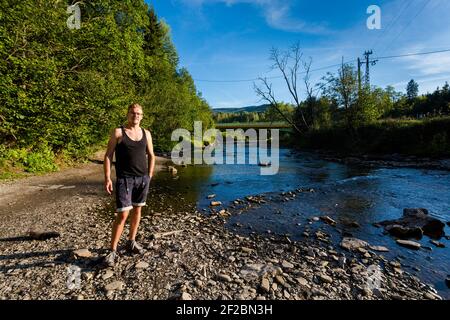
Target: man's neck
[(132, 127)]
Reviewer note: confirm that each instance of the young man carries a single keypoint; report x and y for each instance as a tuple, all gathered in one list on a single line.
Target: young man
[(135, 162)]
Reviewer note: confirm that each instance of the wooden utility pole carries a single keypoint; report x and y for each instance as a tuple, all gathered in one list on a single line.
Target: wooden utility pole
[(359, 75)]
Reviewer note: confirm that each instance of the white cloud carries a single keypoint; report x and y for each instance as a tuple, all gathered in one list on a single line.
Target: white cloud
[(429, 65), (277, 14)]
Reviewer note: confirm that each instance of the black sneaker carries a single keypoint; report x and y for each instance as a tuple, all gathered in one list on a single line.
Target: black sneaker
[(133, 247), (110, 259)]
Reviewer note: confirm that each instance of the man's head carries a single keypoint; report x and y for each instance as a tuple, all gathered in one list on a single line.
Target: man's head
[(135, 114)]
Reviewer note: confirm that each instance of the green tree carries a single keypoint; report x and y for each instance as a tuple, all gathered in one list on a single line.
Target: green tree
[(412, 90)]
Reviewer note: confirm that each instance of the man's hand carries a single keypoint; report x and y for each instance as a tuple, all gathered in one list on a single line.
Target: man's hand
[(109, 186)]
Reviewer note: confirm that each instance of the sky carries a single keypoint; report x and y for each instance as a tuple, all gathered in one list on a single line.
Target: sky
[(225, 44)]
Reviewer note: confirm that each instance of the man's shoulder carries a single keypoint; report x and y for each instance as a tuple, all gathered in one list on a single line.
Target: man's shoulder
[(147, 132), (117, 132)]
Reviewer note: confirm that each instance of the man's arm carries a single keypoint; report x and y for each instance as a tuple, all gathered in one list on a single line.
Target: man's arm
[(150, 153), (115, 135)]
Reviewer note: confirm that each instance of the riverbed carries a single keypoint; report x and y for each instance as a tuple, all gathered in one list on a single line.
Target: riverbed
[(346, 193)]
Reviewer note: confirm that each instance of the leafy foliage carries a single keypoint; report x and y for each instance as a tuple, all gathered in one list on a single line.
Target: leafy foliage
[(66, 89)]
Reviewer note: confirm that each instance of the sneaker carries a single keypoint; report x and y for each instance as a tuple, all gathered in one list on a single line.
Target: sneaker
[(133, 247), (110, 259)]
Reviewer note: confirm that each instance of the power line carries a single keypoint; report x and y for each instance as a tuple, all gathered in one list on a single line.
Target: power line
[(413, 54), (274, 77), (407, 25), (392, 23), (328, 67)]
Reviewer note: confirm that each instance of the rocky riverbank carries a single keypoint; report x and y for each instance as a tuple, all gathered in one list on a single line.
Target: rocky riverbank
[(189, 255)]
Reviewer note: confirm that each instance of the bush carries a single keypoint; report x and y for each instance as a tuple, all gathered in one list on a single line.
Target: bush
[(408, 137)]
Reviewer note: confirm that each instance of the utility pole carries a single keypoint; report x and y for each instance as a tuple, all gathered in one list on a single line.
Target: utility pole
[(359, 74), (369, 62)]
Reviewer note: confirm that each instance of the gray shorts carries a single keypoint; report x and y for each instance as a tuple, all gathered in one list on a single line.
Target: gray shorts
[(131, 192)]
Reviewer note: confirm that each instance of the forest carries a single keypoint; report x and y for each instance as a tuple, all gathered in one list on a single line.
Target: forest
[(63, 90)]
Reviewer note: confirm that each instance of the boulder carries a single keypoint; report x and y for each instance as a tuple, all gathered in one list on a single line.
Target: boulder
[(414, 219), (401, 232)]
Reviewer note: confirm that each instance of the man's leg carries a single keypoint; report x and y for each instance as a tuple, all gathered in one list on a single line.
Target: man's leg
[(117, 229), (134, 223)]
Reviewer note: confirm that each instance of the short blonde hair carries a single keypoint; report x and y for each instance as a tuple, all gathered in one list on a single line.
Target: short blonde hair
[(135, 105)]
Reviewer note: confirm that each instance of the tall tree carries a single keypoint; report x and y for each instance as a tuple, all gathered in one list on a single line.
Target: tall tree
[(412, 90)]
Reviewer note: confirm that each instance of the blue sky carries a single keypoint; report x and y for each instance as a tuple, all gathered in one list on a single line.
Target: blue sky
[(231, 40)]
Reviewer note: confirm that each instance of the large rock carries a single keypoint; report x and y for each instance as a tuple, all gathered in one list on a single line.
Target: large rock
[(401, 232), (409, 244), (82, 253), (414, 219), (352, 244)]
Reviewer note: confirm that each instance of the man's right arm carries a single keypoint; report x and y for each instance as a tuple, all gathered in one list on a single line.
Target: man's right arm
[(115, 135)]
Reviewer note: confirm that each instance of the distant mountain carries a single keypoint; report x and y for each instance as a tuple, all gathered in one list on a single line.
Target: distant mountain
[(261, 108)]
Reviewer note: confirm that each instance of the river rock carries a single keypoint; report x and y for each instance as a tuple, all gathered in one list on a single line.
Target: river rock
[(247, 250), (352, 244), (224, 277), (379, 248), (328, 220), (401, 232), (437, 244), (82, 253), (265, 285), (418, 218), (215, 203), (409, 244), (287, 265), (108, 274), (185, 296), (116, 285), (141, 265), (325, 278), (280, 280), (302, 281)]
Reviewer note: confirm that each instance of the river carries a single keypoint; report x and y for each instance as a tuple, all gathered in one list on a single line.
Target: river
[(343, 192)]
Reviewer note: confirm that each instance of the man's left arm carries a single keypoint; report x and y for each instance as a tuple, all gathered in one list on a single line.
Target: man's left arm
[(150, 154)]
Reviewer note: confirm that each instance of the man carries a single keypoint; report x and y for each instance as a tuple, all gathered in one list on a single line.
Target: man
[(135, 162)]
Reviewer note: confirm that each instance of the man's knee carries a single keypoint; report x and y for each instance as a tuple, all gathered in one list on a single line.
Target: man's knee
[(122, 217)]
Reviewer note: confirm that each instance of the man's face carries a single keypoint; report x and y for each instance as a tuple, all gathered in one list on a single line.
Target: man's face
[(135, 116)]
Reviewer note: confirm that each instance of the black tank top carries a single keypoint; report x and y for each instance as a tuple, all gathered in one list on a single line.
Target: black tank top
[(131, 156)]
